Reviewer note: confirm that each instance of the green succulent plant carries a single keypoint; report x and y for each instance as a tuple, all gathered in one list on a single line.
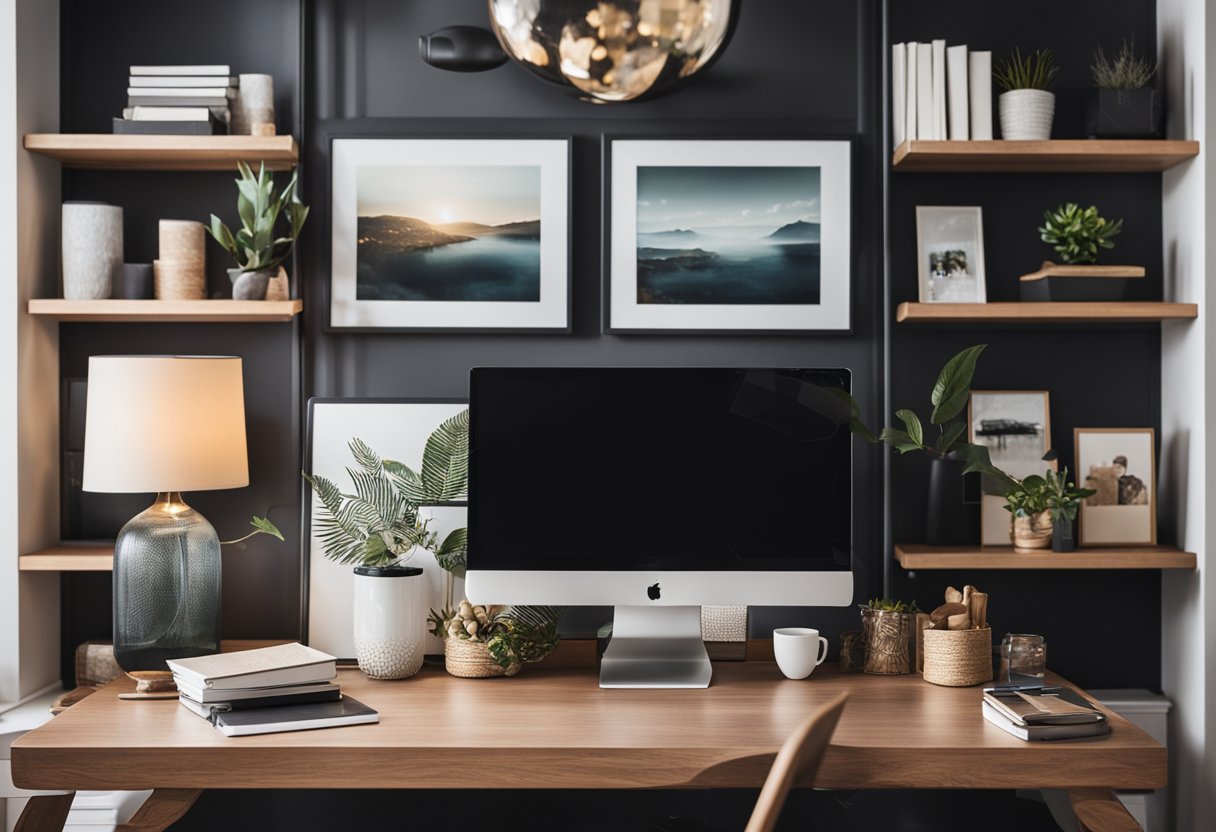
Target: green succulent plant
[(888, 605), (1035, 71), (1078, 233), (255, 245), (1063, 497), (1126, 71)]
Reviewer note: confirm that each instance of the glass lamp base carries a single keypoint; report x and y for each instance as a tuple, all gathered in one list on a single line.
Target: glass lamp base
[(166, 586)]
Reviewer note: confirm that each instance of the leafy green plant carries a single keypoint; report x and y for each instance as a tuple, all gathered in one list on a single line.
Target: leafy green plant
[(255, 245), (1036, 71), (1063, 497), (1028, 498), (887, 605), (512, 635), (261, 525), (1126, 71), (1077, 233)]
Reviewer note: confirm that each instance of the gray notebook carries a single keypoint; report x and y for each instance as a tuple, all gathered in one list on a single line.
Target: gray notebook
[(345, 711)]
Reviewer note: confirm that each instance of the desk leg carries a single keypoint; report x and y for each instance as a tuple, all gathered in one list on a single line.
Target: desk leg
[(1098, 810), (45, 813), (160, 810)]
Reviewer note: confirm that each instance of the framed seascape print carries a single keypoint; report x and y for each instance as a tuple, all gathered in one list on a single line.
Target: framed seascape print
[(727, 235), (1120, 465), (468, 235), (950, 254), (1015, 425)]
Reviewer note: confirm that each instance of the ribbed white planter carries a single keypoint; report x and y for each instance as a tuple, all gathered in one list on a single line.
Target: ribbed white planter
[(390, 620), (92, 249), (1027, 114)]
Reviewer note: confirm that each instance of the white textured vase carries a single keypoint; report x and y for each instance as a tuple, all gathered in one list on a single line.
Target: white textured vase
[(92, 249), (1027, 114), (390, 620)]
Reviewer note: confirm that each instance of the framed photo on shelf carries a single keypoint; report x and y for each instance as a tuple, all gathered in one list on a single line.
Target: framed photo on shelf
[(950, 254), (727, 235), (1015, 425), (458, 235), (1120, 465)]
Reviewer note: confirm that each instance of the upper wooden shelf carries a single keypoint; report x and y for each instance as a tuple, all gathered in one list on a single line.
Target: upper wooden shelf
[(1055, 156), (168, 311), (70, 557), (921, 556), (109, 152), (1047, 312)]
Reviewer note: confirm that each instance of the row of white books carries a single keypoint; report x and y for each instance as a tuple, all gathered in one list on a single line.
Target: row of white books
[(940, 92), (178, 99)]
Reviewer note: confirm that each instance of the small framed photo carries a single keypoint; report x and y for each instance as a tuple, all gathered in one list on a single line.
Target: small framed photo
[(1015, 425), (743, 236), (1120, 465), (950, 254), (457, 235)]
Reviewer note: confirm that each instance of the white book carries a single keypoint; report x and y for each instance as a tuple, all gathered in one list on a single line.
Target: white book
[(171, 114), (181, 92), (283, 664), (939, 89), (980, 78), (899, 93), (210, 696), (182, 81), (957, 93), (185, 69), (926, 125), (913, 87)]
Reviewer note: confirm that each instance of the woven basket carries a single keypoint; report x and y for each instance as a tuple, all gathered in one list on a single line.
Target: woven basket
[(958, 658), (178, 281), (472, 660)]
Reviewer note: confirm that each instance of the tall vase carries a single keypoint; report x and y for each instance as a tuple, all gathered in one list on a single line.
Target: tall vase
[(952, 516), (92, 249), (390, 620)]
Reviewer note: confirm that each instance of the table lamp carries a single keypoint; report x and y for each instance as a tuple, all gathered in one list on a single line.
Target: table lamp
[(165, 424)]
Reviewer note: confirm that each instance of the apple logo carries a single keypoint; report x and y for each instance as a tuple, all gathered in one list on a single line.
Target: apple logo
[(652, 592)]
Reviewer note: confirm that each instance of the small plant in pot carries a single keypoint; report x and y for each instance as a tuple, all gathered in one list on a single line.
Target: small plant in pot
[(1027, 106), (887, 635), (1124, 106), (1064, 501), (485, 641), (1031, 526), (259, 252), (1077, 234)]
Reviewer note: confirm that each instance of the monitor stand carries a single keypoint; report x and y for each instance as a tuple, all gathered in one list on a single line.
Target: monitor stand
[(656, 647)]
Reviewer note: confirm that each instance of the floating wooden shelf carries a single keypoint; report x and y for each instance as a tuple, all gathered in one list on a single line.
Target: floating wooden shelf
[(106, 151), (70, 557), (921, 556), (1050, 312), (1056, 156), (168, 311)]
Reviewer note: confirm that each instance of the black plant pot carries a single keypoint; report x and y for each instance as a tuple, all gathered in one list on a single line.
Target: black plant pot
[(1126, 114), (953, 515), (1063, 535)]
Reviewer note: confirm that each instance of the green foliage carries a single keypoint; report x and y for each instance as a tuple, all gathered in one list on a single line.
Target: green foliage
[(1076, 233), (1126, 71), (1036, 71), (1028, 498), (255, 245), (513, 635), (887, 605), (1063, 497), (261, 525)]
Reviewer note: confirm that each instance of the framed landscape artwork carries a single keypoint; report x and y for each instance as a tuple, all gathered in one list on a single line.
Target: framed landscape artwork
[(1120, 465), (727, 236), (467, 235), (950, 254), (1015, 425)]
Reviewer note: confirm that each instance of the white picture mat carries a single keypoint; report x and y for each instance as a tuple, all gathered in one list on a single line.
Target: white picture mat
[(1118, 525), (550, 155), (835, 253), (950, 226), (395, 430)]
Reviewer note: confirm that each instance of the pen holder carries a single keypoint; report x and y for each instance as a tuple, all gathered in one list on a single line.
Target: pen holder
[(958, 658)]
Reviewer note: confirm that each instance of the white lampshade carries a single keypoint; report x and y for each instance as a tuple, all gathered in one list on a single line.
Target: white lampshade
[(164, 423)]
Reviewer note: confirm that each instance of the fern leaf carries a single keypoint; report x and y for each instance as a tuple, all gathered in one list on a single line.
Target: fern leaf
[(445, 460), (365, 457)]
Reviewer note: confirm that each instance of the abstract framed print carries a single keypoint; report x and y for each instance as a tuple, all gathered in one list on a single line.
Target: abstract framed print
[(1120, 464), (950, 254), (724, 235), (460, 235), (1015, 426)]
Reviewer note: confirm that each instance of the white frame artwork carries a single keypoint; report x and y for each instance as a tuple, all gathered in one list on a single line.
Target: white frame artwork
[(1117, 524), (951, 226), (622, 311), (551, 313), (994, 519)]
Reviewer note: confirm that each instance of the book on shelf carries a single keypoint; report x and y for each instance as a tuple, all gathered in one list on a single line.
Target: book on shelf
[(939, 89), (181, 81), (1043, 714), (242, 723), (182, 92), (980, 73), (212, 696), (926, 127), (183, 69), (145, 113), (940, 92), (177, 101), (913, 85), (323, 693), (169, 127), (282, 664), (956, 83), (899, 93)]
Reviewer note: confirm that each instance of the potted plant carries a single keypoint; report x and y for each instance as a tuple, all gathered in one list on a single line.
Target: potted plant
[(1026, 105), (259, 252), (484, 641), (1064, 501), (378, 529), (1031, 525), (886, 627), (1124, 106), (1077, 234)]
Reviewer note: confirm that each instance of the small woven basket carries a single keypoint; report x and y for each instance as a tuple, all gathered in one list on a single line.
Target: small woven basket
[(472, 660), (958, 658)]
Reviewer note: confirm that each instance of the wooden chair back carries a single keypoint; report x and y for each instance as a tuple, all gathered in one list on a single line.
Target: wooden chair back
[(798, 760)]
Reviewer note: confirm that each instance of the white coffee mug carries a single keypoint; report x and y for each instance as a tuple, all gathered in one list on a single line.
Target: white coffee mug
[(799, 650)]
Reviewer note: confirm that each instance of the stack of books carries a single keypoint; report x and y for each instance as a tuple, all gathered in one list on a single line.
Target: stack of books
[(940, 92), (1043, 713), (288, 687), (178, 100)]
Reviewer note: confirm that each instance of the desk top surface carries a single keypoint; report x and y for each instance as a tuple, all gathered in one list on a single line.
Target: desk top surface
[(553, 727)]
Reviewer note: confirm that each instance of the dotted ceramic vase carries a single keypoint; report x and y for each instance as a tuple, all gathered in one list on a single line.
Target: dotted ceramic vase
[(92, 249), (390, 620), (1026, 115)]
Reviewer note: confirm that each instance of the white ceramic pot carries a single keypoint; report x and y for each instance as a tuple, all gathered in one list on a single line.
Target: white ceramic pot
[(92, 249), (1027, 114), (390, 620)]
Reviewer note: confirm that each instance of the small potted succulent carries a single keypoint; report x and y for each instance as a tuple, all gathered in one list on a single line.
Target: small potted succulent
[(1078, 235), (1064, 501), (1124, 106), (1027, 106), (258, 249), (480, 642), (1031, 525)]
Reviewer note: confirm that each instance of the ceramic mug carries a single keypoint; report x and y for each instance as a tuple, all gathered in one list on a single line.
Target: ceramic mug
[(799, 650)]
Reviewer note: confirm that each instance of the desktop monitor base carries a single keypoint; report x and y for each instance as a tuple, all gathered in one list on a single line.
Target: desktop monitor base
[(656, 647)]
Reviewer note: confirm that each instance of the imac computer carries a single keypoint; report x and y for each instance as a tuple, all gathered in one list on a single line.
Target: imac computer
[(657, 491)]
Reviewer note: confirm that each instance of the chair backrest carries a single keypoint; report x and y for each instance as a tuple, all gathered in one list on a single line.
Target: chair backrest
[(798, 759)]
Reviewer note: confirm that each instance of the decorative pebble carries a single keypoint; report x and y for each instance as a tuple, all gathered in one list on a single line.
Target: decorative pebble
[(388, 658)]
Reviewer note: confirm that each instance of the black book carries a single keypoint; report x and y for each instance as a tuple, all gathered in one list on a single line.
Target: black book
[(212, 127), (324, 693), (345, 711)]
